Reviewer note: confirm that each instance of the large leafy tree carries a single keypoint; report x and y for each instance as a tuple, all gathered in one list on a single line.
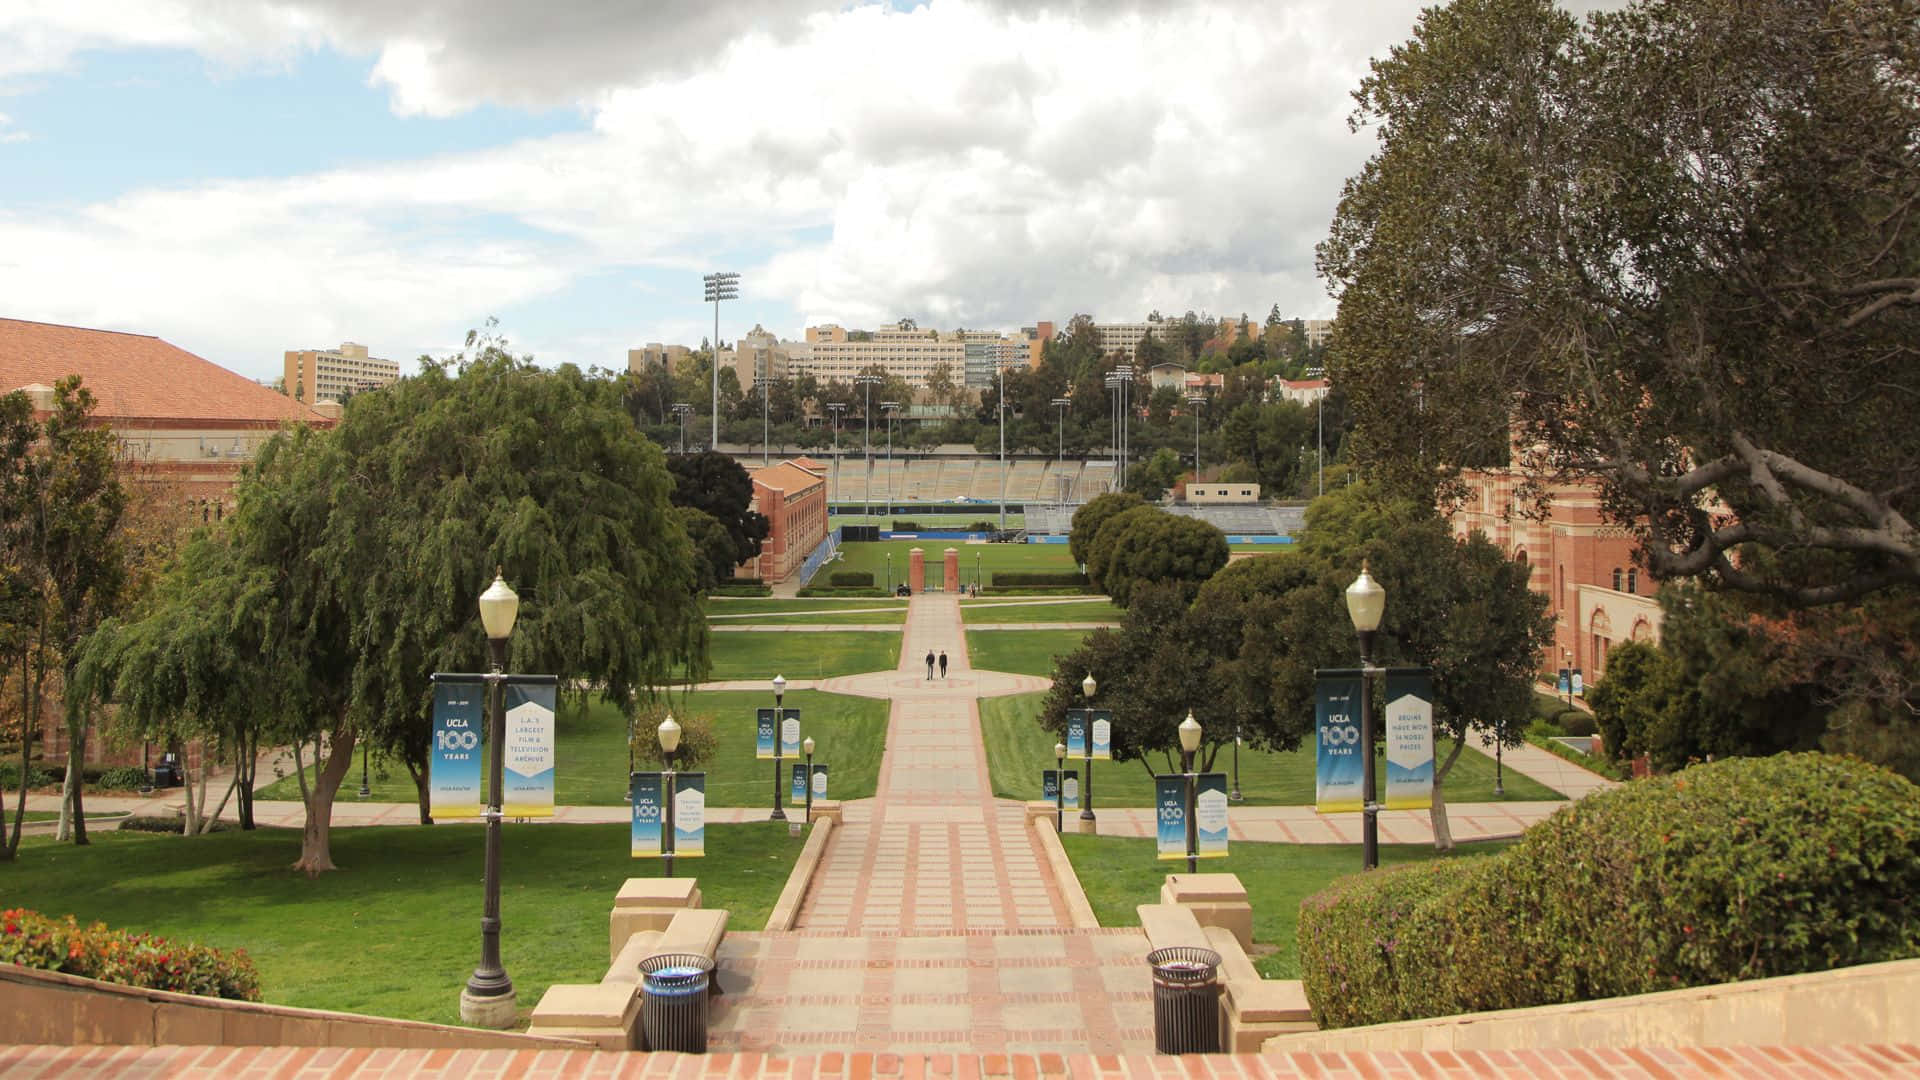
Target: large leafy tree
[(718, 486), (1672, 250)]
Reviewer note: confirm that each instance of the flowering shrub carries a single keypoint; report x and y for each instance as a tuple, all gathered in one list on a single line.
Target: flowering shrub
[(33, 940), (1741, 869)]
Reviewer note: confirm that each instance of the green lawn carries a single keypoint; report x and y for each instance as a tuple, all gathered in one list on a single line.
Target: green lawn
[(1017, 749), (882, 617), (1119, 873), (989, 557), (396, 930), (763, 606), (1040, 609), (591, 764), (936, 522), (801, 656), (1028, 652)]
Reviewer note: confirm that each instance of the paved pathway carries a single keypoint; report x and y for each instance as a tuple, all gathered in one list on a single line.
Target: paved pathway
[(934, 923)]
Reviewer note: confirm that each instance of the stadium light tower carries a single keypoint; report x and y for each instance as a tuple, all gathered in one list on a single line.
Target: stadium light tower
[(721, 286)]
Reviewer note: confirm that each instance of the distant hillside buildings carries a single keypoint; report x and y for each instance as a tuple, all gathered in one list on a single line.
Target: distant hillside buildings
[(316, 375)]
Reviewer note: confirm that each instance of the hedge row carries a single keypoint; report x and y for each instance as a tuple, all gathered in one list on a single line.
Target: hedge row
[(730, 589), (1741, 869), (163, 823), (48, 774), (1047, 579), (33, 940), (823, 590), (850, 578)]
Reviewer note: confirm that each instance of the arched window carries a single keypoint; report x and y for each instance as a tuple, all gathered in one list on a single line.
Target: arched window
[(1642, 630), (1633, 580), (1616, 579), (1520, 557), (1599, 636)]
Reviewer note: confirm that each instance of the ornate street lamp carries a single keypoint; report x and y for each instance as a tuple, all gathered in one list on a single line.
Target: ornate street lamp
[(806, 745), (488, 1000), (1366, 601), (1087, 688), (669, 734), (1059, 787), (1190, 742), (779, 736)]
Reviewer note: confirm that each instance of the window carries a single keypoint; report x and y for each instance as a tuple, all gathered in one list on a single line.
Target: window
[(1616, 579), (1633, 581)]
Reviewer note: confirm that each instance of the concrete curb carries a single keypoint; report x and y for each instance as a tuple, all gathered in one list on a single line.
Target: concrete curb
[(1079, 912), (787, 909)]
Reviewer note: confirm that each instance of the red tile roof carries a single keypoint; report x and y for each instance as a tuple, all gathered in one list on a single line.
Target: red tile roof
[(785, 476), (139, 377)]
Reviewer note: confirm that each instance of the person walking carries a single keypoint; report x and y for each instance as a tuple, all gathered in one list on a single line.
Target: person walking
[(929, 665), (943, 663)]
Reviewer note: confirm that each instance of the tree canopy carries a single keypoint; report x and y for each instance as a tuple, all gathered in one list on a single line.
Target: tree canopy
[(1671, 249)]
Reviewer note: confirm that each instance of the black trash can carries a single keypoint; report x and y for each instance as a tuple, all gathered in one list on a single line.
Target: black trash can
[(1186, 1000), (673, 1001)]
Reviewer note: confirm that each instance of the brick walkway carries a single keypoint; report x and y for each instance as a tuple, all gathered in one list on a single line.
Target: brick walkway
[(934, 923), (226, 1063)]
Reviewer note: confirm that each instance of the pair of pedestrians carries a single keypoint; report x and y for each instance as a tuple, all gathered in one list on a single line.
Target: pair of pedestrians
[(943, 664)]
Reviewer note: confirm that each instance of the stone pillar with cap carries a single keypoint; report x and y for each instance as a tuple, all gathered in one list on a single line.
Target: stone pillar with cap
[(917, 571), (952, 567)]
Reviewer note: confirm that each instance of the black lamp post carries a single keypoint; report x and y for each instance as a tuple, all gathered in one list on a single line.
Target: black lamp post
[(889, 573), (779, 737), (1087, 687), (1499, 745), (1366, 601), (1190, 742), (146, 767), (632, 733), (1059, 787), (365, 791), (669, 743), (806, 746), (488, 1000), (1235, 793)]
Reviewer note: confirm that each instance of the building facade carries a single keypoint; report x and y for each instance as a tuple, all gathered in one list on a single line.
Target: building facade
[(656, 355), (910, 354), (793, 496), (316, 375), (1300, 391), (1581, 563)]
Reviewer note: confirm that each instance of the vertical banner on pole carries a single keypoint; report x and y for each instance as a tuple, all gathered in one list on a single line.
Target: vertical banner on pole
[(453, 776), (766, 723), (1077, 732), (1210, 815), (690, 815), (1579, 684), (820, 780), (1338, 760), (1050, 780), (798, 796), (1409, 740), (790, 733), (649, 813), (527, 779), (1102, 734), (1170, 803)]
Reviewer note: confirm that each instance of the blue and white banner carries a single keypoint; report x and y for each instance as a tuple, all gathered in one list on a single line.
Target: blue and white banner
[(690, 814), (459, 730), (1579, 684), (527, 779), (649, 813), (798, 795), (766, 729), (790, 733), (820, 780), (1409, 741), (1170, 805), (1210, 815), (1102, 733), (1338, 776), (1050, 788), (1077, 732)]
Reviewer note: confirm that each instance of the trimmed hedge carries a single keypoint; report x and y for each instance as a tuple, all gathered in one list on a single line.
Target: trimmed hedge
[(123, 778), (823, 590), (842, 579), (1037, 579), (37, 776), (33, 940), (163, 823), (742, 590), (1741, 869)]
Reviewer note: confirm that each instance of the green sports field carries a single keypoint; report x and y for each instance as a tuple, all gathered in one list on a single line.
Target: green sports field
[(986, 558)]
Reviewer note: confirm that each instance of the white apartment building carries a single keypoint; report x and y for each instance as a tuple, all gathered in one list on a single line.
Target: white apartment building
[(757, 357), (1124, 337), (910, 354), (314, 375), (654, 354), (1319, 331)]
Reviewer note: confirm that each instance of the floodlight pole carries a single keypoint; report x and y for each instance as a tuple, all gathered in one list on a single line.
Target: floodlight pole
[(724, 285)]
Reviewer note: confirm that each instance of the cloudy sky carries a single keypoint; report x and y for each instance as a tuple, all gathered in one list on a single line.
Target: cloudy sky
[(243, 177)]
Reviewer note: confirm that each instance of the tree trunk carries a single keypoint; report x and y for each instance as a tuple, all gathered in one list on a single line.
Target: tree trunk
[(1442, 831), (190, 823), (206, 825), (316, 852), (64, 829), (420, 777), (77, 784), (249, 766)]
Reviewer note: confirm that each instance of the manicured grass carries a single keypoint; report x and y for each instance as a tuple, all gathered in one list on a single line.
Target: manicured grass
[(54, 815), (882, 617), (1027, 652), (991, 558), (801, 656), (591, 752), (1119, 873), (758, 606), (1092, 609), (395, 931), (1017, 749)]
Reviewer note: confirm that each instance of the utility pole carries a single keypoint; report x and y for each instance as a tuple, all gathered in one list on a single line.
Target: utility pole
[(866, 435), (834, 408), (720, 286), (889, 407), (1196, 400), (1000, 406)]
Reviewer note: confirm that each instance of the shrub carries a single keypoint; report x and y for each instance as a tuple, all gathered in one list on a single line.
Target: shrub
[(823, 590), (33, 940), (743, 581), (37, 776), (123, 778), (983, 526), (163, 823), (1036, 579), (1743, 869), (908, 526), (742, 590), (850, 578), (1578, 722)]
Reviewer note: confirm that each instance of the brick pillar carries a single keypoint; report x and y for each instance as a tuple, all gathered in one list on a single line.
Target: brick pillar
[(917, 570), (952, 567)]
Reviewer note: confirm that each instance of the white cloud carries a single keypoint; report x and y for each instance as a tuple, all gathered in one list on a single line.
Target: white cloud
[(973, 164)]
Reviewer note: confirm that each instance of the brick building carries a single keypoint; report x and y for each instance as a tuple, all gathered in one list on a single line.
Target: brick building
[(1580, 562), (793, 496)]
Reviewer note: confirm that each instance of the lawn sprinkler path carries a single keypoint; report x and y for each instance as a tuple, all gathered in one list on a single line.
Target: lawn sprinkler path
[(934, 922)]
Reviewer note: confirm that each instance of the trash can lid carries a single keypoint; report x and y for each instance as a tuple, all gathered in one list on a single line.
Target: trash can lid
[(677, 973)]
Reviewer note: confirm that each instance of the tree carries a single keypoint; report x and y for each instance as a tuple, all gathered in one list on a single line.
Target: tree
[(1696, 333), (1151, 478), (1092, 514), (1148, 544), (718, 486), (713, 546)]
